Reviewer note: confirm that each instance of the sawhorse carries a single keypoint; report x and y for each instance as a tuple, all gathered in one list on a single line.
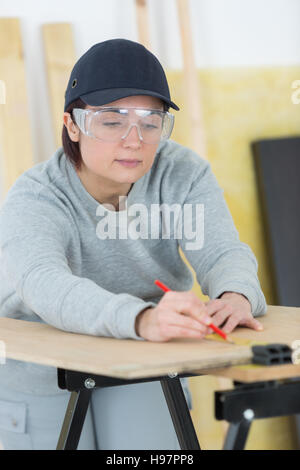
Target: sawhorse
[(239, 406), (81, 386)]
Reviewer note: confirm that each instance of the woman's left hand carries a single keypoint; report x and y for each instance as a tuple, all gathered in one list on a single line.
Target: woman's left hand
[(232, 309)]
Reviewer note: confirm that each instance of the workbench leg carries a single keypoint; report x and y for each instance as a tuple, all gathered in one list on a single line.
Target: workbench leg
[(180, 414), (237, 434), (74, 420)]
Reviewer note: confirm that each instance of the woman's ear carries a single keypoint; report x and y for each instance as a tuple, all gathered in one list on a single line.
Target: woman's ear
[(72, 128)]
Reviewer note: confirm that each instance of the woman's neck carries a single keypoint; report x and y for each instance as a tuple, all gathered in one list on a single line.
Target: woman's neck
[(103, 195)]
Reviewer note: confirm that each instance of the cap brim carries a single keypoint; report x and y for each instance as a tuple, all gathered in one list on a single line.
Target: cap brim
[(102, 97)]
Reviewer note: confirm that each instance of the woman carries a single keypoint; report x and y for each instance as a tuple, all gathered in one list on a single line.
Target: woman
[(74, 254)]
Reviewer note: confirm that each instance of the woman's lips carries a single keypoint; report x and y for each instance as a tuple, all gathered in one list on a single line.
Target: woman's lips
[(129, 163)]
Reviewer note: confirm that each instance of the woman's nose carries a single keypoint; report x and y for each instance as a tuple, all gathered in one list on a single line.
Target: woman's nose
[(135, 135)]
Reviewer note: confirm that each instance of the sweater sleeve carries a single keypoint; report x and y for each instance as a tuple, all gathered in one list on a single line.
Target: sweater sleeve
[(220, 260), (34, 235)]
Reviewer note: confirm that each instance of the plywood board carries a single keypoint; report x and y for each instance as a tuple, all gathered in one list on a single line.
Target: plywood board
[(125, 358), (255, 373)]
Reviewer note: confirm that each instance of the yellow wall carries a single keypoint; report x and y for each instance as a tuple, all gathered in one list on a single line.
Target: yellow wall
[(239, 105)]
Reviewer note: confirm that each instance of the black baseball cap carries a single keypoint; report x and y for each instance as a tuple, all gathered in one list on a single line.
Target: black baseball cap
[(115, 69)]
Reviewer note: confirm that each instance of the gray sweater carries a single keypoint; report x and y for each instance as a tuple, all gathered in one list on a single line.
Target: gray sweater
[(78, 265)]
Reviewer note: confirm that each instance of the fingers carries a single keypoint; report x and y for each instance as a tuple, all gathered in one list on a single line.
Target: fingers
[(214, 306), (187, 323), (219, 313), (229, 319), (231, 324), (234, 321), (253, 323), (181, 332), (183, 314), (225, 315), (188, 304)]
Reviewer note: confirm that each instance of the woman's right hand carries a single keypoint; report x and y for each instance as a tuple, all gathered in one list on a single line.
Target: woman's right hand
[(177, 315)]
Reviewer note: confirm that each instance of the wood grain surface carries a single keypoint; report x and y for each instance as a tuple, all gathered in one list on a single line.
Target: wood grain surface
[(125, 358)]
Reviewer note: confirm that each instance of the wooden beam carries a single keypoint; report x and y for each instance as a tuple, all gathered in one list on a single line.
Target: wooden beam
[(59, 60), (191, 79), (143, 23), (16, 153)]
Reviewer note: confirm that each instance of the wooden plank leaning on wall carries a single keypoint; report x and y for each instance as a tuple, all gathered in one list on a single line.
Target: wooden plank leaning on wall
[(16, 152), (60, 57), (192, 90)]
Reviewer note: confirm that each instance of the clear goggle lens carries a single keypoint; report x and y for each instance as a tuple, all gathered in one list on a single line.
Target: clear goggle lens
[(114, 124)]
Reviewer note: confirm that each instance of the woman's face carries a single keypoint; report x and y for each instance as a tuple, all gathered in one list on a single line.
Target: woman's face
[(100, 159)]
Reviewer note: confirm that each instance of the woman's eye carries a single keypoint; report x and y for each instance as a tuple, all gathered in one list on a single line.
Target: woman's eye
[(112, 124), (150, 126)]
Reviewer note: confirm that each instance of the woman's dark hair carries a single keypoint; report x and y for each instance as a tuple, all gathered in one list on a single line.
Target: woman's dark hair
[(71, 148)]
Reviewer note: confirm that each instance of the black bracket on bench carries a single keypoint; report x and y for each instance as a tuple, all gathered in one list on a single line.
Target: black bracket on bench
[(246, 402), (272, 354)]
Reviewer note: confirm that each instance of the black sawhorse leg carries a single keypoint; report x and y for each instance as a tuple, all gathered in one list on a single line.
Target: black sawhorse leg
[(81, 386), (247, 402), (180, 414), (237, 435), (74, 420)]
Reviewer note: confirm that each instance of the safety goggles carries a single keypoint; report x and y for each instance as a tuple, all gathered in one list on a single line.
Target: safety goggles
[(111, 124)]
